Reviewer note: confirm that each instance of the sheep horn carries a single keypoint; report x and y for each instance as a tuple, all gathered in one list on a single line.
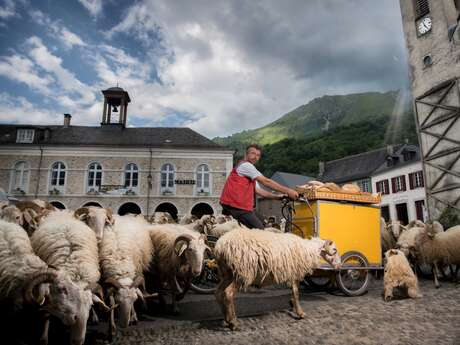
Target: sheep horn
[(81, 211), (96, 289), (112, 281), (23, 205), (110, 216), (139, 280), (177, 286), (43, 277), (184, 237)]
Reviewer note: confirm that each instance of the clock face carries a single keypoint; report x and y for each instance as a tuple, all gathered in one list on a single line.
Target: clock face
[(424, 25)]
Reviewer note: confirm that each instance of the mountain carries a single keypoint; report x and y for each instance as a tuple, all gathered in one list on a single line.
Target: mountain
[(327, 128)]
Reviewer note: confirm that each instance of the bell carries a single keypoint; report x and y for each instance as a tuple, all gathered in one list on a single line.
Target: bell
[(114, 109)]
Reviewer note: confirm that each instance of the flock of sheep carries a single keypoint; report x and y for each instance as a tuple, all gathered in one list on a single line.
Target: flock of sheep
[(408, 247), (75, 266)]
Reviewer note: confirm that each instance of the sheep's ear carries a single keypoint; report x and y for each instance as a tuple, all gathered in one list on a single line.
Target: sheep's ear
[(182, 249), (392, 252)]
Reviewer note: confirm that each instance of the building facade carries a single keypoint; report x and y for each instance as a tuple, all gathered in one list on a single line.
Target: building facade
[(432, 34), (131, 170)]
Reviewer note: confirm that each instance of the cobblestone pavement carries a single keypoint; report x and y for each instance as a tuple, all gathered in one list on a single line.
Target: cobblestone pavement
[(332, 318)]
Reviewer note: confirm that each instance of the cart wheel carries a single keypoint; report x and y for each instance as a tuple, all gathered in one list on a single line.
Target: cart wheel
[(353, 282), (207, 281), (318, 281)]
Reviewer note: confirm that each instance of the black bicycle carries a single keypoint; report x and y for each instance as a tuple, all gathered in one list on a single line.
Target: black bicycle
[(206, 282)]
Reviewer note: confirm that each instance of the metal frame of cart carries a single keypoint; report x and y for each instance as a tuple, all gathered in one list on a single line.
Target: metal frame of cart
[(355, 229)]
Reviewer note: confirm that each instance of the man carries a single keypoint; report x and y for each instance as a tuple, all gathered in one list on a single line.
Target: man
[(237, 198)]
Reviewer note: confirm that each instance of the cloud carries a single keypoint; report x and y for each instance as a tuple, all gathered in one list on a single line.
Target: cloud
[(240, 64), (11, 106), (68, 38), (21, 69), (8, 9), (93, 6)]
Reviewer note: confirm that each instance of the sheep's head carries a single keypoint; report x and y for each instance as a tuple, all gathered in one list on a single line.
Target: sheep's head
[(330, 253), (124, 293), (96, 218), (11, 214), (191, 251), (396, 228)]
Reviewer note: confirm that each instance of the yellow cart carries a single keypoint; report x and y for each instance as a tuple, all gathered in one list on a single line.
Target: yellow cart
[(353, 223)]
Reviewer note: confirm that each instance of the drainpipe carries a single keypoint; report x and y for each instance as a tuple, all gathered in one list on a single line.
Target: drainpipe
[(149, 182), (39, 168)]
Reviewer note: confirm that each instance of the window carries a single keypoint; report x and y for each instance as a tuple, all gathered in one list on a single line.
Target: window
[(385, 212), (57, 180), (167, 178), (382, 187), (398, 184), (408, 155), (202, 178), (421, 8), (416, 180), (25, 136), (364, 185), (94, 177), (420, 210), (131, 176), (20, 177)]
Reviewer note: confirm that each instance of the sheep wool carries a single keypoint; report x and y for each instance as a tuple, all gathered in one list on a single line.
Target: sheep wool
[(18, 261), (262, 257), (398, 273)]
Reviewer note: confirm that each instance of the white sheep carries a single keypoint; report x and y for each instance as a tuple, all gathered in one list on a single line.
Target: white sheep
[(97, 218), (220, 229), (256, 257), (27, 279), (438, 248), (125, 253), (178, 257), (68, 244), (11, 214), (398, 273)]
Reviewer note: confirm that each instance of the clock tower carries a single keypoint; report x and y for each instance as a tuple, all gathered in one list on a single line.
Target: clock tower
[(432, 34)]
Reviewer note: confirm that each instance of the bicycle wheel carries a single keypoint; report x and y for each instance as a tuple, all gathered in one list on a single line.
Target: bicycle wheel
[(207, 281), (352, 279)]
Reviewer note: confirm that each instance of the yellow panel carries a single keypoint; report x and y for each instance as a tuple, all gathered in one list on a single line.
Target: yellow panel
[(353, 227)]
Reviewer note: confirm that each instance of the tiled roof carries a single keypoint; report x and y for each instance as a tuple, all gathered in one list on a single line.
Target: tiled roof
[(112, 135), (290, 180), (358, 166)]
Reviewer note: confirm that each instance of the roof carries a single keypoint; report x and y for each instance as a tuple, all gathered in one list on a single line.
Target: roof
[(112, 135), (398, 159), (356, 167), (290, 180)]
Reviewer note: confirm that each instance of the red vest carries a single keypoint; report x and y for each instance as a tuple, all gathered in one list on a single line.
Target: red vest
[(238, 191)]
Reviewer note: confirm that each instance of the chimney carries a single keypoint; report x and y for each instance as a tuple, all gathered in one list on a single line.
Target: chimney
[(389, 150), (67, 118), (321, 168)]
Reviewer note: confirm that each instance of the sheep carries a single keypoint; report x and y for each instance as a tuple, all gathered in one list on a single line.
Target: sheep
[(125, 253), (68, 244), (188, 219), (253, 257), (179, 255), (398, 273), (438, 248), (219, 229), (25, 279), (202, 225), (12, 214), (161, 218), (97, 218)]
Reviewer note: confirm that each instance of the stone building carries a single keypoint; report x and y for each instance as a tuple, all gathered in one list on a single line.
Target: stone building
[(432, 33), (131, 170)]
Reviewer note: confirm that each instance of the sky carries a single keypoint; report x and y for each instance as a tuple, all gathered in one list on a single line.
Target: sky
[(216, 66)]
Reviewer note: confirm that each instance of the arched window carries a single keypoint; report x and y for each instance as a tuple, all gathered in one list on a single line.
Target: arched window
[(94, 177), (20, 177), (131, 176), (57, 177), (202, 179), (167, 178)]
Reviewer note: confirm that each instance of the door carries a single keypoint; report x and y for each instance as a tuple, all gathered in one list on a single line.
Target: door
[(401, 213)]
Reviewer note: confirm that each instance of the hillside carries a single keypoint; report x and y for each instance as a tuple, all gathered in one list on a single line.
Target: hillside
[(327, 128)]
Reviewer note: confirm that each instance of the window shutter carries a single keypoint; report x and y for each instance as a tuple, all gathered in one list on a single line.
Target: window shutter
[(411, 180), (393, 185), (377, 187), (403, 183), (386, 187), (422, 179), (421, 8)]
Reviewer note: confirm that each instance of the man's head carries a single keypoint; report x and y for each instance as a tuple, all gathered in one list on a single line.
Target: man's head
[(253, 153)]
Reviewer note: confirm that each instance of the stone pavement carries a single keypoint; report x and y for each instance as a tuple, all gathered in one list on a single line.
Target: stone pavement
[(332, 318)]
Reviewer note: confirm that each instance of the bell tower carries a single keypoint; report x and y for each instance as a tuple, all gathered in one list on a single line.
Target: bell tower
[(115, 109)]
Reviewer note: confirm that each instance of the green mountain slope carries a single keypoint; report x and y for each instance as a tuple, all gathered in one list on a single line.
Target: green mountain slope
[(327, 128)]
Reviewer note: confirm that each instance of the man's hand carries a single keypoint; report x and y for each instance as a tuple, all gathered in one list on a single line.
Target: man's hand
[(293, 194)]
